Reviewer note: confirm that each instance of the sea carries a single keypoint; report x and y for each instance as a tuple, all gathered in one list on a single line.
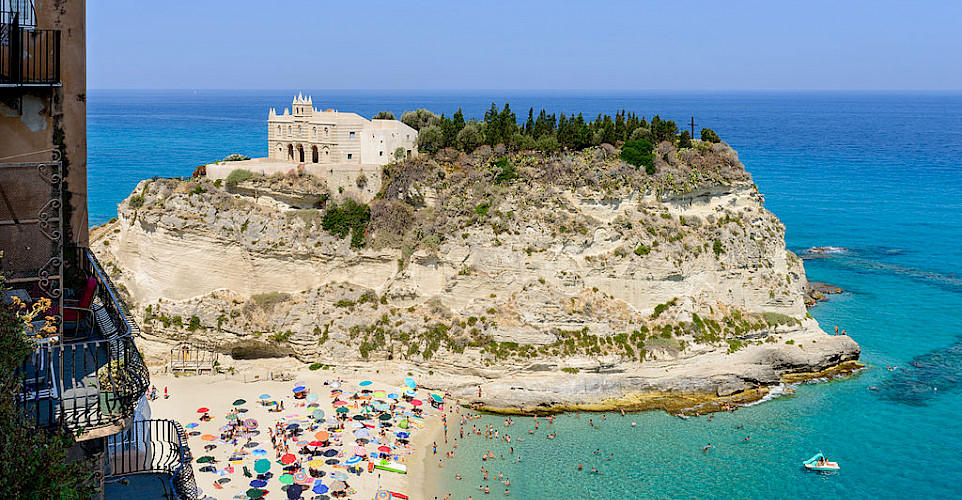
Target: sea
[(876, 176)]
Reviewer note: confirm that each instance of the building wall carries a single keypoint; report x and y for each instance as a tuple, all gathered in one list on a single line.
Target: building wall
[(34, 121)]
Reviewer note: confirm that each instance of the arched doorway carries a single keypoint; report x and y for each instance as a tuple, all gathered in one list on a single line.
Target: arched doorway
[(300, 153), (314, 154), (290, 152)]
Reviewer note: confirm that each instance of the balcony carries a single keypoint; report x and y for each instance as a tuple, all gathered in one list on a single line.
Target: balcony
[(28, 57), (150, 459), (88, 376)]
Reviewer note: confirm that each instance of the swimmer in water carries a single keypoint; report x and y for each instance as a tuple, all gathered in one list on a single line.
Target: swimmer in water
[(634, 424), (707, 447), (581, 467)]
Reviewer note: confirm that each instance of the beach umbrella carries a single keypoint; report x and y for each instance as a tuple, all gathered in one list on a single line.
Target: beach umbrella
[(250, 423), (339, 403), (353, 460), (339, 476), (286, 479), (264, 396), (315, 463), (301, 478), (312, 398), (383, 495), (300, 388), (231, 417), (238, 402), (359, 417), (410, 383), (410, 393), (338, 485), (293, 426), (191, 425), (335, 385), (361, 433), (403, 424), (365, 383), (261, 466), (393, 395), (259, 453), (320, 488), (385, 416), (255, 493), (288, 459), (330, 453), (242, 410), (383, 449), (318, 414), (416, 402), (252, 444), (382, 407), (193, 434), (203, 410), (205, 459), (303, 442), (208, 437), (294, 492), (223, 480), (207, 468), (315, 443), (342, 409), (402, 435), (332, 461), (379, 394), (322, 435), (436, 398), (210, 447), (359, 450), (258, 483)]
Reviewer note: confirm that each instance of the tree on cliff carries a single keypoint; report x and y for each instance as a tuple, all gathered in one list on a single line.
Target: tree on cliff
[(709, 135), (384, 115), (419, 119)]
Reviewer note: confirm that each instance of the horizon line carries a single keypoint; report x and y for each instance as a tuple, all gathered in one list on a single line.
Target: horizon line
[(610, 90)]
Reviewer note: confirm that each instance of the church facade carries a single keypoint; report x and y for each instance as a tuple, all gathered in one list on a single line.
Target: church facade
[(303, 134)]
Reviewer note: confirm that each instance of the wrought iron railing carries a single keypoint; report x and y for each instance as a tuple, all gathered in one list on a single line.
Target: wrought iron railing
[(28, 56), (153, 447), (85, 385), (21, 9)]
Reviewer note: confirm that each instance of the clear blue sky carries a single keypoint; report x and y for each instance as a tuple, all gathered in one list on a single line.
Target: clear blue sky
[(516, 44)]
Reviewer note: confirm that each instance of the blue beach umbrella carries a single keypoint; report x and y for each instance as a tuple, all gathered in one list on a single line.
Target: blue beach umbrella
[(410, 393), (258, 483), (300, 388), (393, 395), (353, 460), (312, 398), (318, 414), (436, 398), (259, 453), (410, 382), (261, 466), (264, 396), (191, 425), (319, 488), (365, 383)]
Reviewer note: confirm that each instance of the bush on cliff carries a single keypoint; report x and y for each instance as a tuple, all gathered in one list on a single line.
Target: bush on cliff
[(349, 217), (238, 176), (639, 153), (709, 135)]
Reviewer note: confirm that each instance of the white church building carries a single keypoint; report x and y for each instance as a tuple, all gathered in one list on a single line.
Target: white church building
[(302, 134)]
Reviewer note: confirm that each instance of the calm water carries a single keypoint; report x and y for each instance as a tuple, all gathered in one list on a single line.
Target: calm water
[(877, 174)]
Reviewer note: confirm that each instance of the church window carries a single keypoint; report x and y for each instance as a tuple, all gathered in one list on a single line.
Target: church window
[(349, 155), (325, 133), (289, 130), (352, 135), (278, 130), (380, 153), (314, 132)]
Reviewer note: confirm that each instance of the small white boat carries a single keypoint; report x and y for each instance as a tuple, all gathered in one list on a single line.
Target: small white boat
[(819, 463)]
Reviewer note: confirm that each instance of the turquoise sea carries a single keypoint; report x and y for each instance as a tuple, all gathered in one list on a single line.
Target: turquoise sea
[(878, 175)]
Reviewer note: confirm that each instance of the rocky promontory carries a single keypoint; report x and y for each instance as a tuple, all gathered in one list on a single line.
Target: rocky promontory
[(554, 281)]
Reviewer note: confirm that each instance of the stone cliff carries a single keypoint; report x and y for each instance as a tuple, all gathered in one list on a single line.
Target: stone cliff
[(556, 281)]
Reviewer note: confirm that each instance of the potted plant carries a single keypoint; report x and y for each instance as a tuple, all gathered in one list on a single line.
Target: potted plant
[(112, 379)]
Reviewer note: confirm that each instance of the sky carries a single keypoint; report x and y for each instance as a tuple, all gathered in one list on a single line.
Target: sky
[(479, 44)]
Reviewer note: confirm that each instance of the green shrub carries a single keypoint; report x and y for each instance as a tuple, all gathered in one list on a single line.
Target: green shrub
[(709, 135), (136, 201), (350, 217), (267, 301), (238, 176), (568, 369), (315, 366), (774, 319), (194, 323), (718, 248), (506, 171), (639, 153), (642, 250)]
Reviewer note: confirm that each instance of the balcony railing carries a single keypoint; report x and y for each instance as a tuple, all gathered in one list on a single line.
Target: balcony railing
[(28, 57), (21, 9), (94, 378), (149, 447)]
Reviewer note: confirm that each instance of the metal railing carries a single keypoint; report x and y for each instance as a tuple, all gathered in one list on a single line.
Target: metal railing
[(153, 447), (23, 10), (28, 56), (87, 384)]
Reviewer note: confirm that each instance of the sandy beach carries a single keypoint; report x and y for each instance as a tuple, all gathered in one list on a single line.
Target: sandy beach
[(229, 470)]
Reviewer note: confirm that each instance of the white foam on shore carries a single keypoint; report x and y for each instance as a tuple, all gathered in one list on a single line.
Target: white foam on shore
[(828, 250), (775, 392)]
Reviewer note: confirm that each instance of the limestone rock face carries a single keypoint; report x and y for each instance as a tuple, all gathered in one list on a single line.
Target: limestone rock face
[(547, 295)]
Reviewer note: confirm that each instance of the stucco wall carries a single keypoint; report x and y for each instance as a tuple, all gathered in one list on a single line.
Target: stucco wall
[(54, 117)]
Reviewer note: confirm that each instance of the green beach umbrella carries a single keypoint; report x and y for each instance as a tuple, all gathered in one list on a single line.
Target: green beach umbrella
[(261, 466), (342, 409), (318, 414), (286, 479), (232, 416), (205, 459), (239, 402), (379, 394), (385, 416), (255, 493), (403, 424)]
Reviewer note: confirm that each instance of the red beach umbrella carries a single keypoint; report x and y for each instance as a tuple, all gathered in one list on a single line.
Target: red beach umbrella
[(383, 449), (322, 436), (416, 402), (288, 459), (315, 443), (360, 451), (203, 410)]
